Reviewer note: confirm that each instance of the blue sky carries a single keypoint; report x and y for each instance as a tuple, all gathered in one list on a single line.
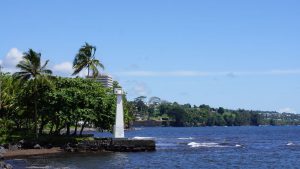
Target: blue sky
[(235, 54)]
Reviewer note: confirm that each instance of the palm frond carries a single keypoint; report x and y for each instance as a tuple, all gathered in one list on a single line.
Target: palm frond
[(46, 71), (79, 67), (45, 64), (98, 63), (30, 67), (85, 59), (94, 70), (24, 66)]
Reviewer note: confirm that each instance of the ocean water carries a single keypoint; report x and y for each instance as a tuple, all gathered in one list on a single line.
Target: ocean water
[(199, 147)]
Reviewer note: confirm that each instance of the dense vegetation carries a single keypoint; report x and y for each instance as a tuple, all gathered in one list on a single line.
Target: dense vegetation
[(35, 103), (174, 114)]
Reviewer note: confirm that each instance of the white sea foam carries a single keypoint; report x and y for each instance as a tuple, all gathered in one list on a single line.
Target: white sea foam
[(209, 145), (185, 138), (38, 167), (290, 144), (238, 145), (137, 128), (143, 138)]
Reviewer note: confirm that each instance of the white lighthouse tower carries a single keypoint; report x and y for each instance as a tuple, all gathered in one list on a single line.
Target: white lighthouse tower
[(119, 124)]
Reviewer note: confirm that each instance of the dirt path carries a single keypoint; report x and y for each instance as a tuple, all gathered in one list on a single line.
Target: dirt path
[(32, 152)]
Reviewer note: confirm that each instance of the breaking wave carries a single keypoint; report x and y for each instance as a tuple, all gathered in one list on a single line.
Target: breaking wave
[(185, 138), (211, 145), (143, 138), (195, 144), (290, 144)]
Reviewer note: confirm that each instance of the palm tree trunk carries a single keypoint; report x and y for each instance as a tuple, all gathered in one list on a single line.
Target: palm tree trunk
[(35, 120), (42, 125), (51, 129), (76, 126), (68, 128), (35, 113), (88, 71), (82, 127)]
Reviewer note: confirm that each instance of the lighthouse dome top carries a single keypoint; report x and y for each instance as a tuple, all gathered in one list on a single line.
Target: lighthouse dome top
[(118, 91)]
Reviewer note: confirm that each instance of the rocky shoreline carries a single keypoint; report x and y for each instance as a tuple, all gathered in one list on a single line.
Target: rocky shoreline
[(3, 164), (22, 149)]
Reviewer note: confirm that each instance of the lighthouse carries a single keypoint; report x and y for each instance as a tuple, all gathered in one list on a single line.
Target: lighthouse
[(119, 122)]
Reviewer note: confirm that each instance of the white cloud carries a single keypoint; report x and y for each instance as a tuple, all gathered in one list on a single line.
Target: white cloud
[(141, 89), (136, 88), (286, 110), (65, 67), (12, 58), (83, 73), (187, 73)]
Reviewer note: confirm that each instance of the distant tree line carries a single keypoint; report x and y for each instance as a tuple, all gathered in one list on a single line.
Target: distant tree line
[(192, 116)]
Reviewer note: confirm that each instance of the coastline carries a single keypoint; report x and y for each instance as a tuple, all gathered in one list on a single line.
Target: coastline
[(11, 154), (98, 145)]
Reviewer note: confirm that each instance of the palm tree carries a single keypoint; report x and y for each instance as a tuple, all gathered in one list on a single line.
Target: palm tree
[(85, 58), (32, 70)]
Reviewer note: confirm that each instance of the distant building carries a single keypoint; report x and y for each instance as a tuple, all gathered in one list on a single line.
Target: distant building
[(106, 80)]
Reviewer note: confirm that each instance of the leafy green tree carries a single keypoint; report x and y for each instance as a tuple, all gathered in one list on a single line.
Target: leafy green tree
[(255, 119), (178, 113), (31, 69), (221, 110), (7, 95), (140, 98), (85, 58), (141, 107), (272, 122), (85, 100), (116, 84), (204, 106), (229, 118), (154, 101)]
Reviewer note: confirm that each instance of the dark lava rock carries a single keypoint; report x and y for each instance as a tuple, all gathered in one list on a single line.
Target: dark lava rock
[(37, 146), (8, 166), (4, 165), (22, 142), (68, 148), (13, 147), (2, 150), (49, 146)]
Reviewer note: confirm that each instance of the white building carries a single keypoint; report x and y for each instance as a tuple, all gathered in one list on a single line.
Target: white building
[(106, 80)]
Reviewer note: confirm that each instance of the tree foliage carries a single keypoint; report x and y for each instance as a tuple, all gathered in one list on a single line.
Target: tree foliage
[(61, 106), (33, 102), (32, 70), (85, 58)]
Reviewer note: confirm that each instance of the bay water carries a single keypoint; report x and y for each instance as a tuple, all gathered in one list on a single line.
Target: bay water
[(197, 147)]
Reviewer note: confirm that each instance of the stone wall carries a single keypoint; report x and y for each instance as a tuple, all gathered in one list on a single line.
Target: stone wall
[(111, 144)]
